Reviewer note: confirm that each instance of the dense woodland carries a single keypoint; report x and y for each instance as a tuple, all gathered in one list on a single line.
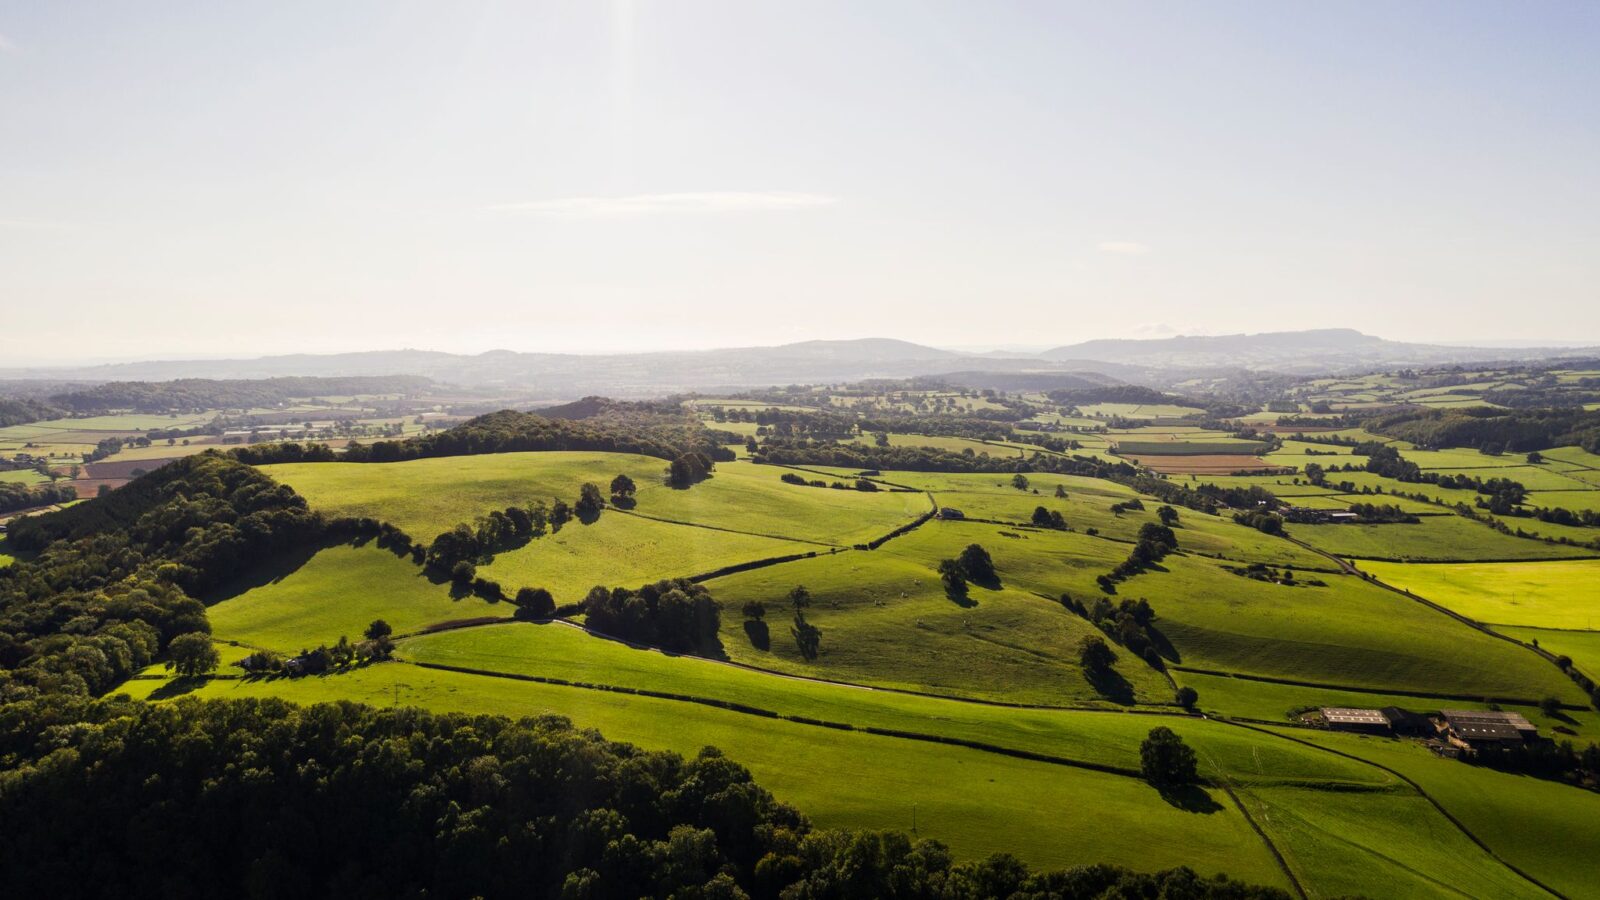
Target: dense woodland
[(195, 394), (15, 496), (1492, 430)]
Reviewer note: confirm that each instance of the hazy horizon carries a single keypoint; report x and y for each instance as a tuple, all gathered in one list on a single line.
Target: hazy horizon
[(612, 177)]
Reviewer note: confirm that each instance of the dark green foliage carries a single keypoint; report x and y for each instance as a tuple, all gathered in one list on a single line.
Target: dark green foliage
[(192, 654), (688, 469), (976, 564), (535, 603), (1048, 518), (509, 431), (676, 615), (22, 410), (1166, 760), (1094, 655), (622, 488), (1495, 429), (1187, 697), (590, 502), (114, 579), (189, 394), (807, 637), (14, 496)]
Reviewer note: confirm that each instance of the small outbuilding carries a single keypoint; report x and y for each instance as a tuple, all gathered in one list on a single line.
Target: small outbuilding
[(1366, 721), (949, 512)]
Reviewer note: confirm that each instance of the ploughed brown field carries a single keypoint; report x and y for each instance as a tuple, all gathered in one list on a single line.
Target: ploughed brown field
[(1213, 464)]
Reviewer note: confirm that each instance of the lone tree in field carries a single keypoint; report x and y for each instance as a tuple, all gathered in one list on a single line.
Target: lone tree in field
[(976, 564), (192, 654), (1095, 655), (622, 488), (535, 603), (1165, 759), (590, 502), (1187, 697), (1019, 481), (807, 636), (755, 610), (1061, 492), (1167, 515), (378, 629), (955, 580), (800, 598)]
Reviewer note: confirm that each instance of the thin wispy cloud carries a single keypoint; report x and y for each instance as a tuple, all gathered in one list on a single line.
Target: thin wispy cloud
[(691, 203), (1123, 248)]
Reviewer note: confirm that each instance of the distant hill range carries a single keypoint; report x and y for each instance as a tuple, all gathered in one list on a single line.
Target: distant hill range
[(1074, 366), (1325, 350)]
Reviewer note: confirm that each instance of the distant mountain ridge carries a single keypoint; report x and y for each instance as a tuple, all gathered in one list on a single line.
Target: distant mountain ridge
[(571, 375), (1317, 351)]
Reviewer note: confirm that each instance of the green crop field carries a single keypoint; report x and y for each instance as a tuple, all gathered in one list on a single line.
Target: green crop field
[(1546, 594)]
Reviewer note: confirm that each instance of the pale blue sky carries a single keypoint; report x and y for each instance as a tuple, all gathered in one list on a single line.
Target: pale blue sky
[(184, 178)]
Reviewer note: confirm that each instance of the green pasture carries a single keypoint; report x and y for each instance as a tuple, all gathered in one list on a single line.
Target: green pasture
[(886, 619), (1588, 498), (301, 602), (1544, 827), (1329, 635), (1545, 594), (22, 476), (623, 550), (1106, 738), (1378, 843), (1582, 647), (1434, 539), (428, 496), (976, 802)]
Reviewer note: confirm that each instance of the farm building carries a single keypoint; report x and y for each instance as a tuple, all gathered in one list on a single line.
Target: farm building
[(1367, 721), (1409, 723), (951, 513), (1475, 728), (1307, 516)]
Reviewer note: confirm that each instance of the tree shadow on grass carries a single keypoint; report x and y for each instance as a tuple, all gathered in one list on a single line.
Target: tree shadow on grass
[(960, 597), (270, 570), (1163, 646), (177, 687), (760, 636), (1111, 685), (624, 502), (1190, 798)]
